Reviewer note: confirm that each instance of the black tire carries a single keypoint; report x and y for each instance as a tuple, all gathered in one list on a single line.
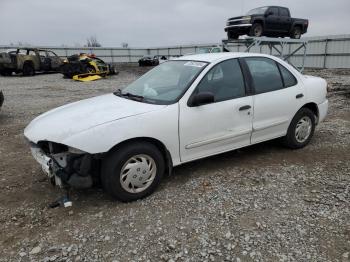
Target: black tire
[(111, 70), (90, 69), (28, 69), (1, 99), (290, 139), (112, 167), (231, 35), (296, 32), (6, 72), (257, 30)]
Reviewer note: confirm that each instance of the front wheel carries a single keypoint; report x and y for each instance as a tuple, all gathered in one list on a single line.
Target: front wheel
[(133, 171), (256, 30), (301, 129)]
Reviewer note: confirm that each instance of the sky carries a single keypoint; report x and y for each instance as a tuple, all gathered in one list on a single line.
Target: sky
[(149, 23)]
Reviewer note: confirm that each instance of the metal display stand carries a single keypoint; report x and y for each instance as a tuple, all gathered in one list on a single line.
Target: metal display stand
[(281, 45)]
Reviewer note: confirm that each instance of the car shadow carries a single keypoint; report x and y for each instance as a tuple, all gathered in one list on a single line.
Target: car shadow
[(258, 155)]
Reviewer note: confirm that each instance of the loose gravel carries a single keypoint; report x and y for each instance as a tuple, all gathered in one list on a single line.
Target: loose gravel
[(261, 203)]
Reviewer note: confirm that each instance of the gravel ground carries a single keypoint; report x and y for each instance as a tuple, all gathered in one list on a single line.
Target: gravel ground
[(261, 203)]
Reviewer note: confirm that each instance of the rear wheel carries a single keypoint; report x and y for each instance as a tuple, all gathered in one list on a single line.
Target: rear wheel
[(90, 69), (28, 69), (301, 129), (296, 33), (256, 30), (133, 171)]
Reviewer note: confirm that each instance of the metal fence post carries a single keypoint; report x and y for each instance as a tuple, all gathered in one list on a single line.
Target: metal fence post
[(112, 56), (129, 55), (304, 57), (325, 53)]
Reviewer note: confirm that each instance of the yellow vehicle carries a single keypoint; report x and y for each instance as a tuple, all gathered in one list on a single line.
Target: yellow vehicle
[(86, 67)]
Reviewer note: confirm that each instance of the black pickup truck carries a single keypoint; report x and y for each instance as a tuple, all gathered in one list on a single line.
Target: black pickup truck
[(274, 21)]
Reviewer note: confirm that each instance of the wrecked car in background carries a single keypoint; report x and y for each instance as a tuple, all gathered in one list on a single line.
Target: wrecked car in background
[(208, 50), (182, 110), (86, 66), (29, 61), (274, 21), (152, 60)]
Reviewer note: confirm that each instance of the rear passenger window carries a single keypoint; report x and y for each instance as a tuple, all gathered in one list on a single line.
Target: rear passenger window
[(288, 77), (274, 10), (265, 74), (284, 12), (225, 81)]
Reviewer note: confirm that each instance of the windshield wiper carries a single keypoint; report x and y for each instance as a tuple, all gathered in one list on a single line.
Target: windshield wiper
[(128, 95)]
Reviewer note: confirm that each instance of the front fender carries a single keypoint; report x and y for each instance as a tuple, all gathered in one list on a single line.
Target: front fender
[(258, 20), (160, 125)]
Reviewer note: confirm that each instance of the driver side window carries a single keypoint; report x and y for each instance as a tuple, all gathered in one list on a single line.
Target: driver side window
[(51, 54), (225, 81)]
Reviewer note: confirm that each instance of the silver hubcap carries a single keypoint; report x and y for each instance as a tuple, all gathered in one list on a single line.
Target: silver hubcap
[(138, 173), (303, 129), (257, 31)]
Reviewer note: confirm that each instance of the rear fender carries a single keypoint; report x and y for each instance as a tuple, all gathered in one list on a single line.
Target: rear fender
[(297, 24)]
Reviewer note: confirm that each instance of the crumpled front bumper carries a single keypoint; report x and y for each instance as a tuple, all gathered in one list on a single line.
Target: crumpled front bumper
[(66, 168), (46, 164)]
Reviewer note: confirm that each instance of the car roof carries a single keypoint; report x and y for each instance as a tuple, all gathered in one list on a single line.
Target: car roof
[(268, 6), (214, 57)]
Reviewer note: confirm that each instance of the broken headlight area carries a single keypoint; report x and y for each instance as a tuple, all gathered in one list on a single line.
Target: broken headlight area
[(66, 166)]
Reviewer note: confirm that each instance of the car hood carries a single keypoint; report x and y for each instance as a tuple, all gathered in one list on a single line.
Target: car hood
[(236, 17), (60, 123)]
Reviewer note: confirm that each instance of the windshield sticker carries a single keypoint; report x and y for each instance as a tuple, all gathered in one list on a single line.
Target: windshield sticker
[(195, 64)]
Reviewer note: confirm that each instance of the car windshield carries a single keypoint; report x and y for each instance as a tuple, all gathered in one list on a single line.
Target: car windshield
[(257, 11), (164, 84)]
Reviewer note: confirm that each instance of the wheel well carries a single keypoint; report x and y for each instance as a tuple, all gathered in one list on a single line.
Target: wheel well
[(162, 148), (258, 22), (313, 107), (297, 25), (28, 62)]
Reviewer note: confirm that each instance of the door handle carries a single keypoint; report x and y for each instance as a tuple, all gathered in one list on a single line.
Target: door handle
[(299, 96), (245, 108)]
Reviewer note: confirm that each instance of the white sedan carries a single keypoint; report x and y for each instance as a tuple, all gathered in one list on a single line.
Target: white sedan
[(182, 110)]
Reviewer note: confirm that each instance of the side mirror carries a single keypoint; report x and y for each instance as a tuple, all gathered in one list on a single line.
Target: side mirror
[(202, 98), (268, 13)]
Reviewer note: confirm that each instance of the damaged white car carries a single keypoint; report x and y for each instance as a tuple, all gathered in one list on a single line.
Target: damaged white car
[(185, 109)]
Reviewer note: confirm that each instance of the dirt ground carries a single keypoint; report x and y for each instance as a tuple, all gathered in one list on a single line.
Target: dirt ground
[(261, 203)]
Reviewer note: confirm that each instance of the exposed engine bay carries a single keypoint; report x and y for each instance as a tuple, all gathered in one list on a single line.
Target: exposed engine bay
[(65, 166)]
